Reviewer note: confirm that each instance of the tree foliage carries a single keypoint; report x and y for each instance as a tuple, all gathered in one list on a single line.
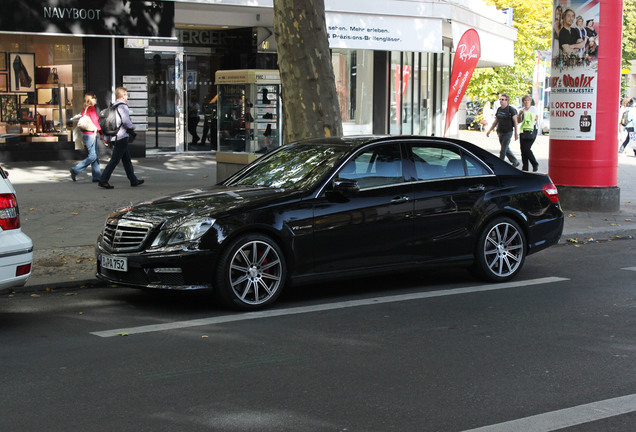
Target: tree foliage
[(310, 101), (629, 32), (533, 21)]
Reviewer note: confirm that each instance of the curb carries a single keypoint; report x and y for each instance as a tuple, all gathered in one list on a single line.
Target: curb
[(77, 284)]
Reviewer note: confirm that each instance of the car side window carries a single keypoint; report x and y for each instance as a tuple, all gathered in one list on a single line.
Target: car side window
[(474, 168), (437, 162), (377, 166)]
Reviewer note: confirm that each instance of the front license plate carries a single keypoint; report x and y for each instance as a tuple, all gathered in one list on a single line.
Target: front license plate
[(114, 263)]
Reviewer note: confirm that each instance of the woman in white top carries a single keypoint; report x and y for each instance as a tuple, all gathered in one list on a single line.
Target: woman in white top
[(629, 125)]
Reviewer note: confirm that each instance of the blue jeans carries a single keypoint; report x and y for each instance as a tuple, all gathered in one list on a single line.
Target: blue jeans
[(90, 141), (120, 153), (504, 142)]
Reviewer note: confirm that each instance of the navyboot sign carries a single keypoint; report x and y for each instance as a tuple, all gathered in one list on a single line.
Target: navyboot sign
[(112, 18), (71, 13)]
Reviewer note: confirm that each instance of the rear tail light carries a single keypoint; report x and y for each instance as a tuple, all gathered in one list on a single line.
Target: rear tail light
[(9, 214), (551, 192), (22, 270)]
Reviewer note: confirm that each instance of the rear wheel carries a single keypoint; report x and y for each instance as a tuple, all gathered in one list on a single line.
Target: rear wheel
[(501, 250), (251, 273)]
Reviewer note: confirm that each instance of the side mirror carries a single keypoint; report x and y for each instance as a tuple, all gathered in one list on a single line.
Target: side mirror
[(345, 187)]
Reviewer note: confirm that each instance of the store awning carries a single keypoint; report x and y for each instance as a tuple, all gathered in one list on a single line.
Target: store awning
[(496, 50)]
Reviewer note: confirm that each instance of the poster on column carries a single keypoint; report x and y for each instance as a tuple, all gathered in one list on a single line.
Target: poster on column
[(574, 78)]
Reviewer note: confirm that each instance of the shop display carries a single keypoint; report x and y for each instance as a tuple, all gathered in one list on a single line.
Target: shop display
[(22, 72), (248, 111), (9, 108), (39, 100)]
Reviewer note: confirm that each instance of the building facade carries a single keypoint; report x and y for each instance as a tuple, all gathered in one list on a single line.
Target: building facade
[(392, 61)]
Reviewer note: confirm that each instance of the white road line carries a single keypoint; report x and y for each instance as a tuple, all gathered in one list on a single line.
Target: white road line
[(629, 268), (322, 307), (567, 417)]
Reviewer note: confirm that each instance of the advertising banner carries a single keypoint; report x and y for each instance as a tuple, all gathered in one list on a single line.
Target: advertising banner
[(574, 78), (112, 18), (384, 33), (467, 53)]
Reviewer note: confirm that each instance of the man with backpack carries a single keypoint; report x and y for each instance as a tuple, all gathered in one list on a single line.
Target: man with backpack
[(116, 128)]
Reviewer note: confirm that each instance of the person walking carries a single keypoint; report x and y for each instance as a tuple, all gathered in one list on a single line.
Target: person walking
[(506, 124), (193, 120), (527, 118), (629, 125), (89, 138), (120, 143)]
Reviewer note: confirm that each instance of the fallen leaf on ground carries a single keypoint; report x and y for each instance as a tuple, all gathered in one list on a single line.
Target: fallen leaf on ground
[(572, 240), (35, 295), (571, 215), (75, 213)]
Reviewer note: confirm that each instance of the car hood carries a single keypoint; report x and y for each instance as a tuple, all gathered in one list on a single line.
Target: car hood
[(212, 201)]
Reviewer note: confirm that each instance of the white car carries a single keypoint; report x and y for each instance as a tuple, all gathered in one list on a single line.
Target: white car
[(16, 248)]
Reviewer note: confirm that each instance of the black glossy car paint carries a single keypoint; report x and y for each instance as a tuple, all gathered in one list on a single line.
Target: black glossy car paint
[(327, 235)]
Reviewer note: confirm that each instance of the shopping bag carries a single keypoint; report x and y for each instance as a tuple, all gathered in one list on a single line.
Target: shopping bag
[(77, 137)]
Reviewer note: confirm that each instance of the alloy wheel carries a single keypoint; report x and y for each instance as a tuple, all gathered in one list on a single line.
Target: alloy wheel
[(255, 272), (504, 249)]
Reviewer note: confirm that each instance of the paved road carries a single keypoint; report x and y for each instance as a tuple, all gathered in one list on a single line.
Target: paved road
[(436, 351)]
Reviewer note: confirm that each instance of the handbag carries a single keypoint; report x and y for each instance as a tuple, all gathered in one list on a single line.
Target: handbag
[(77, 138), (85, 123)]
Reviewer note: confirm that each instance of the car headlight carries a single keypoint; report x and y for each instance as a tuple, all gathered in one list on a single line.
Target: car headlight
[(187, 231)]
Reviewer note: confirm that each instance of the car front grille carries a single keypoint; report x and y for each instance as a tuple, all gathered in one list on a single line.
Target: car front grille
[(121, 235)]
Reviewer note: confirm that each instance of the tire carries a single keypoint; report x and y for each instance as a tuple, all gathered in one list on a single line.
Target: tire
[(251, 273), (500, 251)]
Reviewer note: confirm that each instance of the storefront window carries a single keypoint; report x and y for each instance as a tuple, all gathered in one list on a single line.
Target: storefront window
[(41, 84), (354, 83), (424, 95), (404, 105)]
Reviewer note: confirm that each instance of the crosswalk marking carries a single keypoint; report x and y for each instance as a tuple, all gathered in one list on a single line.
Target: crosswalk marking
[(629, 268), (322, 307)]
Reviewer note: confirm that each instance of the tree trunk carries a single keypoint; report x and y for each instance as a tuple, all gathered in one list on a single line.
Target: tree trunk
[(310, 101)]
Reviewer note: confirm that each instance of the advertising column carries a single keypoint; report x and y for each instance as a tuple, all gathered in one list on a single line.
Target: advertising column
[(584, 99)]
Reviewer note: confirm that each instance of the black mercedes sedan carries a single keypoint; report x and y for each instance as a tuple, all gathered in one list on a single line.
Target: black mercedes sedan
[(335, 208)]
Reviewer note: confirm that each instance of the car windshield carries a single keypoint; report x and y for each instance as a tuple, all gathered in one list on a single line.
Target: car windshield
[(293, 166)]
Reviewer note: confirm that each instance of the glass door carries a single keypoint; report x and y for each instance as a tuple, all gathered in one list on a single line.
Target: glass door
[(200, 114), (161, 69)]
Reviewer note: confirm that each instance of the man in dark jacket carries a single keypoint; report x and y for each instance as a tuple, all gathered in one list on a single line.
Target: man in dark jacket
[(506, 123)]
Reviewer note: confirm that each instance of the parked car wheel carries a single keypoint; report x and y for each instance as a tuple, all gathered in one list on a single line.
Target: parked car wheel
[(501, 250), (251, 273)]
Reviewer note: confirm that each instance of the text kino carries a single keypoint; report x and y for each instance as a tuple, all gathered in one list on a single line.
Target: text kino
[(72, 13)]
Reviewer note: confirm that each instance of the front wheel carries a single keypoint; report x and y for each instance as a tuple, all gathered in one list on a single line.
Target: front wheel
[(251, 273), (500, 251)]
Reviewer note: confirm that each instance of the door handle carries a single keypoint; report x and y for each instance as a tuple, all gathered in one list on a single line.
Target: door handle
[(400, 199), (477, 188)]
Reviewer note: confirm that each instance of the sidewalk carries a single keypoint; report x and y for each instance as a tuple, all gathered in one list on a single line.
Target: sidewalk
[(64, 217)]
